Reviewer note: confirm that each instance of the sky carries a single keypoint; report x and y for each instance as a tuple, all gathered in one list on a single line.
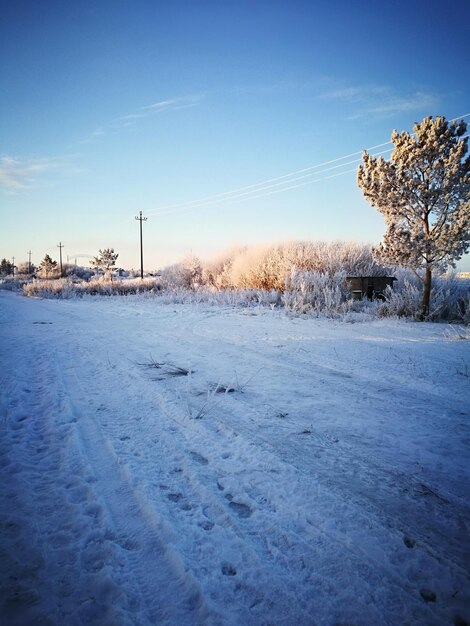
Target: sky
[(184, 109)]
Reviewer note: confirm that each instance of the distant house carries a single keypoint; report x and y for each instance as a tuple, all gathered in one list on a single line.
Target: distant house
[(369, 286)]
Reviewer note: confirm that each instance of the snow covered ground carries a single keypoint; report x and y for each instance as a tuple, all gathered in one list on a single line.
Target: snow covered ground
[(305, 472)]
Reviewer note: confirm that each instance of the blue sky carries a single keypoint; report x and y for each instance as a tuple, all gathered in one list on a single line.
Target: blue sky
[(112, 107)]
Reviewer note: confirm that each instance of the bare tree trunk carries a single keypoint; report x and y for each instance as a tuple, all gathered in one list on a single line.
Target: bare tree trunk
[(426, 293)]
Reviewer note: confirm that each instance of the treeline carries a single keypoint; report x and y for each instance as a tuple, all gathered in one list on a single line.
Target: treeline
[(271, 266), (301, 277)]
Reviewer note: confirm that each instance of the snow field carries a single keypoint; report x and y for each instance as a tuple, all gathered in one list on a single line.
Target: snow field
[(328, 485)]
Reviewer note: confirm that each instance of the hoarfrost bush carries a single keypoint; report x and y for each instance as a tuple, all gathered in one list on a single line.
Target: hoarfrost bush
[(11, 284), (60, 288), (318, 292), (78, 272), (67, 288), (217, 272), (450, 298), (267, 267), (185, 275), (230, 297), (259, 268), (119, 287)]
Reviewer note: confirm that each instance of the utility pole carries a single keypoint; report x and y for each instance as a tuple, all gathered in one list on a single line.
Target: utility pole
[(141, 219), (29, 261), (13, 266), (60, 246)]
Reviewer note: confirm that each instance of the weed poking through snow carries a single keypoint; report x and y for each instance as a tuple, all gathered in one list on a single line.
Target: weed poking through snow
[(167, 369)]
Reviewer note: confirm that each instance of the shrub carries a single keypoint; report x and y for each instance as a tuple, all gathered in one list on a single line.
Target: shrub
[(268, 267), (450, 298), (66, 288), (59, 288), (318, 292), (9, 283)]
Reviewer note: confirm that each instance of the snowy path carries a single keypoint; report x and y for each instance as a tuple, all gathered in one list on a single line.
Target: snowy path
[(329, 485)]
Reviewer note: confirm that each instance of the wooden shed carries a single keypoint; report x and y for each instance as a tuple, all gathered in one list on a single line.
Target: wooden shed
[(369, 286)]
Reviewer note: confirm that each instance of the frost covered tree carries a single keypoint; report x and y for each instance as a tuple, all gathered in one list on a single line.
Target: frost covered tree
[(106, 260), (185, 275), (193, 267), (47, 267), (6, 268), (26, 268), (423, 194)]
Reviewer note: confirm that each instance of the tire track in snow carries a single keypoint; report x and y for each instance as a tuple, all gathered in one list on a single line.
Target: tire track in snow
[(88, 550), (314, 540), (169, 593), (47, 581), (372, 475), (216, 546), (295, 539)]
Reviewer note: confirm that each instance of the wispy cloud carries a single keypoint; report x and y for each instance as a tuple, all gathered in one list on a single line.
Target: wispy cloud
[(272, 88), (18, 174), (130, 120), (379, 100), (396, 104), (149, 110), (353, 93), (163, 104)]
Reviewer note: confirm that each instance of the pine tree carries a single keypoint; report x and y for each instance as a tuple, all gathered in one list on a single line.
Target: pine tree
[(47, 267), (106, 260), (423, 194), (6, 268)]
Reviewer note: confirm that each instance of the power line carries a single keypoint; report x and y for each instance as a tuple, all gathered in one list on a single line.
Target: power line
[(262, 195), (252, 191), (309, 182), (265, 182), (249, 194)]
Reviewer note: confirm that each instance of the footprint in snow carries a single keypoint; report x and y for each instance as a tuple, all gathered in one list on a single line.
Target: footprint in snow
[(174, 497), (228, 570), (428, 595), (18, 424), (242, 510), (93, 510), (178, 498), (199, 458), (10, 529)]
